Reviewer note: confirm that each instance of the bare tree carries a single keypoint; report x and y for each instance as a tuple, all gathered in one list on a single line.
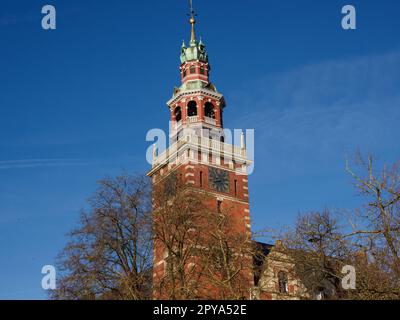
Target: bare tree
[(373, 282), (376, 226), (318, 251), (109, 254), (319, 246), (201, 255), (178, 223), (227, 257)]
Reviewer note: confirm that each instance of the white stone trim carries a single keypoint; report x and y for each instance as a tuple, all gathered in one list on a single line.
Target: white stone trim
[(178, 153)]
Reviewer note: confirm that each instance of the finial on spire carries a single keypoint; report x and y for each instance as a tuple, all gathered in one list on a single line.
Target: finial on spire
[(192, 12), (192, 21)]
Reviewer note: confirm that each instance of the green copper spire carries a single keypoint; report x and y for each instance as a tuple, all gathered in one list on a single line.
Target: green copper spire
[(196, 50)]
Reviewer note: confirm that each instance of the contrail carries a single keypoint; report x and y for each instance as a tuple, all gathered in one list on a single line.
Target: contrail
[(32, 163)]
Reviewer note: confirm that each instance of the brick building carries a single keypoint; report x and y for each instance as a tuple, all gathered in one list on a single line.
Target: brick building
[(201, 154)]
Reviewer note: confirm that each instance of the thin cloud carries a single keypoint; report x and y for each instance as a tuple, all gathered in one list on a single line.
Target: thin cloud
[(66, 162), (34, 163), (307, 119), (12, 19)]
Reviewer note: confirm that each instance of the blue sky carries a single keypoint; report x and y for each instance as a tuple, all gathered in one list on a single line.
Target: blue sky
[(76, 104)]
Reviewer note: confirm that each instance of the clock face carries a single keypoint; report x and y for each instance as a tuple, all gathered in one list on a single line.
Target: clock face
[(219, 180)]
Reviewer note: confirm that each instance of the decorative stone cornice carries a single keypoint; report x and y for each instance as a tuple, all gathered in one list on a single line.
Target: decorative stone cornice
[(198, 92), (177, 153)]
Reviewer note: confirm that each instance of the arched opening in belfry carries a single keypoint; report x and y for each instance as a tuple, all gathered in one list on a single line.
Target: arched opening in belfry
[(178, 114), (209, 110), (192, 109)]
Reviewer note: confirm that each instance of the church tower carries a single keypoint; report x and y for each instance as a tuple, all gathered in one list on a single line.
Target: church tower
[(201, 152)]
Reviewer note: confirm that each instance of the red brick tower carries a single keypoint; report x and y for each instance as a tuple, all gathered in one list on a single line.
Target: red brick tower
[(200, 150)]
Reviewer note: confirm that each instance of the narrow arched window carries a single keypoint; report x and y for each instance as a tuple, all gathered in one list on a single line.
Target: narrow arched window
[(236, 187), (178, 114), (283, 282), (209, 110), (192, 109)]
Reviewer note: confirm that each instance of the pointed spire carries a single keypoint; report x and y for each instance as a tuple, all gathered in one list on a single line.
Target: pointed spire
[(195, 50), (192, 23), (193, 33), (183, 44)]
